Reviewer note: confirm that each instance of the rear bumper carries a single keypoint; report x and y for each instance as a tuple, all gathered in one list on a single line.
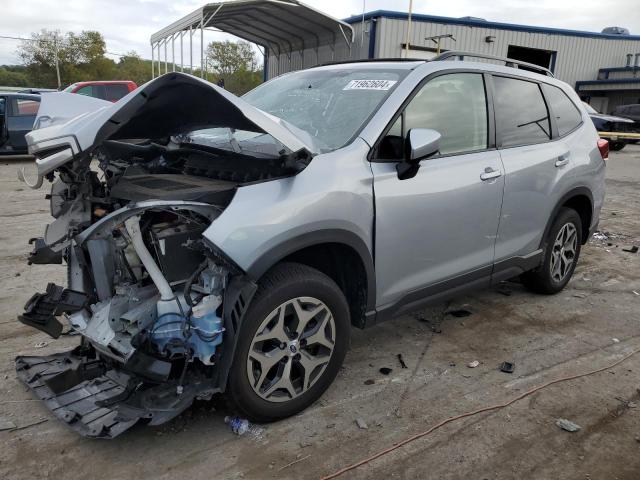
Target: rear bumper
[(99, 401)]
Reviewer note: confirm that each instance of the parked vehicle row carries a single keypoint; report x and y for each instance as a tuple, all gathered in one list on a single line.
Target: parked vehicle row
[(229, 244), (18, 110)]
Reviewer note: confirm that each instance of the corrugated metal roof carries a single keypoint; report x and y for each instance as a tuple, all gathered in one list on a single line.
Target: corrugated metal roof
[(281, 25), (416, 17)]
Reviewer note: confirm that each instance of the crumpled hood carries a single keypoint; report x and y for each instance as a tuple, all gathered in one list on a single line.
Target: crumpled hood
[(174, 103)]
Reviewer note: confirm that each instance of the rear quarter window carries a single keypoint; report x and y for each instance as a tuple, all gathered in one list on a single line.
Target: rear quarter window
[(567, 115), (521, 113)]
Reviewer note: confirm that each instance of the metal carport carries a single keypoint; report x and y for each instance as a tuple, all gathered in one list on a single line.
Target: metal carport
[(281, 27)]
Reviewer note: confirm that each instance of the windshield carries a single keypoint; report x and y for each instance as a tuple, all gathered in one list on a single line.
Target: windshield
[(589, 108), (326, 108), (331, 105)]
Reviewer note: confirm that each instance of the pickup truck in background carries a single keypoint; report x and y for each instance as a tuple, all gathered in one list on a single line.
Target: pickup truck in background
[(618, 130), (110, 90)]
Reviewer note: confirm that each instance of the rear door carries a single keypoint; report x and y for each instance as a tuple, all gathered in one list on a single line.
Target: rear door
[(437, 230), (535, 160), (21, 115)]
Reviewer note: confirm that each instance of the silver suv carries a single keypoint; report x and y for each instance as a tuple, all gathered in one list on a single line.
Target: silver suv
[(216, 243)]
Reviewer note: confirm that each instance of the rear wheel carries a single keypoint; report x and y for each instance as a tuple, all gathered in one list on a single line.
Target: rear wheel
[(292, 343), (561, 253)]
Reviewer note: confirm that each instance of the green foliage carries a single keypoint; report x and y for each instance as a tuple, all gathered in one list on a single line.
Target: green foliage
[(81, 57), (10, 78), (227, 58), (235, 63)]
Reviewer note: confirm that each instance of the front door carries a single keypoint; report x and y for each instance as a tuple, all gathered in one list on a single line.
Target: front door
[(21, 115), (437, 230)]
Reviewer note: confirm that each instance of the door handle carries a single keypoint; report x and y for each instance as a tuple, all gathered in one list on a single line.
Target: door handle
[(490, 173), (562, 160)]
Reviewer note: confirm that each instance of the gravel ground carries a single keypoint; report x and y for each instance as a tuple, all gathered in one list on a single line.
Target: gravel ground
[(593, 323)]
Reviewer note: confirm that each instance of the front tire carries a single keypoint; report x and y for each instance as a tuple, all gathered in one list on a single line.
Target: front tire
[(561, 253), (292, 342)]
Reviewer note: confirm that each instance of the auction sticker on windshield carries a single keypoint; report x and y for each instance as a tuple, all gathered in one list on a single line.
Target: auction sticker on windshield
[(369, 85)]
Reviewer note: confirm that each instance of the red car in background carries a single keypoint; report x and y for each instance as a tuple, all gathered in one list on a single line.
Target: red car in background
[(111, 90)]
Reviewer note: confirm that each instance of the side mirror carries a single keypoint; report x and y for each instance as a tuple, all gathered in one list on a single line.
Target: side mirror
[(420, 143)]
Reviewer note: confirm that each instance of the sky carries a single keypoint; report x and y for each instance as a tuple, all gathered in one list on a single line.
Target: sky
[(127, 25)]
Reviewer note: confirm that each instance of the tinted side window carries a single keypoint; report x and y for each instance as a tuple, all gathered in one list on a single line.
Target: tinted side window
[(88, 91), (567, 114), (455, 105), (115, 92), (521, 113)]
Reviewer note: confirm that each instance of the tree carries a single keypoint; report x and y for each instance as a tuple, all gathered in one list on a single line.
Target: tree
[(235, 63), (10, 78), (79, 56), (133, 67)]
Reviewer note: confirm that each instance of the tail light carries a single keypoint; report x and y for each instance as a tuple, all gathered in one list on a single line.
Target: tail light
[(603, 146)]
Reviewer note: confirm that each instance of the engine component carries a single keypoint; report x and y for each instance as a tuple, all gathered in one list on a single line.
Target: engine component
[(173, 187), (173, 243), (114, 322)]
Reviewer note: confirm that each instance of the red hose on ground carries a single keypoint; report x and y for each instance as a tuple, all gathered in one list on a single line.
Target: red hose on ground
[(469, 414)]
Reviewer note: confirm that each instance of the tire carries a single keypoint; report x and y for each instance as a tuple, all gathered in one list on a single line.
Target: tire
[(295, 290), (616, 146), (545, 279)]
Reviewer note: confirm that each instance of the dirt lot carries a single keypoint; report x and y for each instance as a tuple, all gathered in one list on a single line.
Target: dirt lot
[(593, 323)]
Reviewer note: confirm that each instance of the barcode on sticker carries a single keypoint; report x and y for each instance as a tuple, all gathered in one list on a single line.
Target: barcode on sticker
[(369, 85)]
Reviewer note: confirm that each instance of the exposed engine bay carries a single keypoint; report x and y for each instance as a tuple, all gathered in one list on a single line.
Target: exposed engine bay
[(156, 306)]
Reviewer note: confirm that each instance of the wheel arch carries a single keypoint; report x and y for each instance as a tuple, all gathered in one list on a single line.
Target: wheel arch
[(339, 254), (579, 199)]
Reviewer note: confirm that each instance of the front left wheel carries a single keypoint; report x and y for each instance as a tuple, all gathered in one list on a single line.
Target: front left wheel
[(293, 340)]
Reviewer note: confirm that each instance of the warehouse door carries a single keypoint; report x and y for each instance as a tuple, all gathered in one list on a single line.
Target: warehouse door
[(544, 58)]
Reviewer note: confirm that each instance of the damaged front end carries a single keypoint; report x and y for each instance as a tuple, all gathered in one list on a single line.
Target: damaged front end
[(156, 305)]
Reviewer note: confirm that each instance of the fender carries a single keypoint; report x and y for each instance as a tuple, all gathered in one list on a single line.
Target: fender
[(319, 237), (567, 196)]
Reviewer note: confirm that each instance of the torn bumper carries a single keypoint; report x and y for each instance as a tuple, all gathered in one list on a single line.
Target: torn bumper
[(98, 401)]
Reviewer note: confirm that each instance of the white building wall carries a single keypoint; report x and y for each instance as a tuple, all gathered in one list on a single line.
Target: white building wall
[(578, 58)]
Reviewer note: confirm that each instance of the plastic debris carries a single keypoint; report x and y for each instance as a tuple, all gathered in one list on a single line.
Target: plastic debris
[(637, 293), (473, 364), (615, 340), (41, 344), (401, 360), (240, 426), (633, 249), (386, 370), (567, 425), (361, 424), (507, 367)]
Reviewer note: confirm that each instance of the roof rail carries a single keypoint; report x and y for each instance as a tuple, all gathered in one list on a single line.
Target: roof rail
[(509, 62)]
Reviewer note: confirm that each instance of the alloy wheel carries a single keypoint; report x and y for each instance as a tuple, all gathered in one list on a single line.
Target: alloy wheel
[(291, 349), (563, 254)]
